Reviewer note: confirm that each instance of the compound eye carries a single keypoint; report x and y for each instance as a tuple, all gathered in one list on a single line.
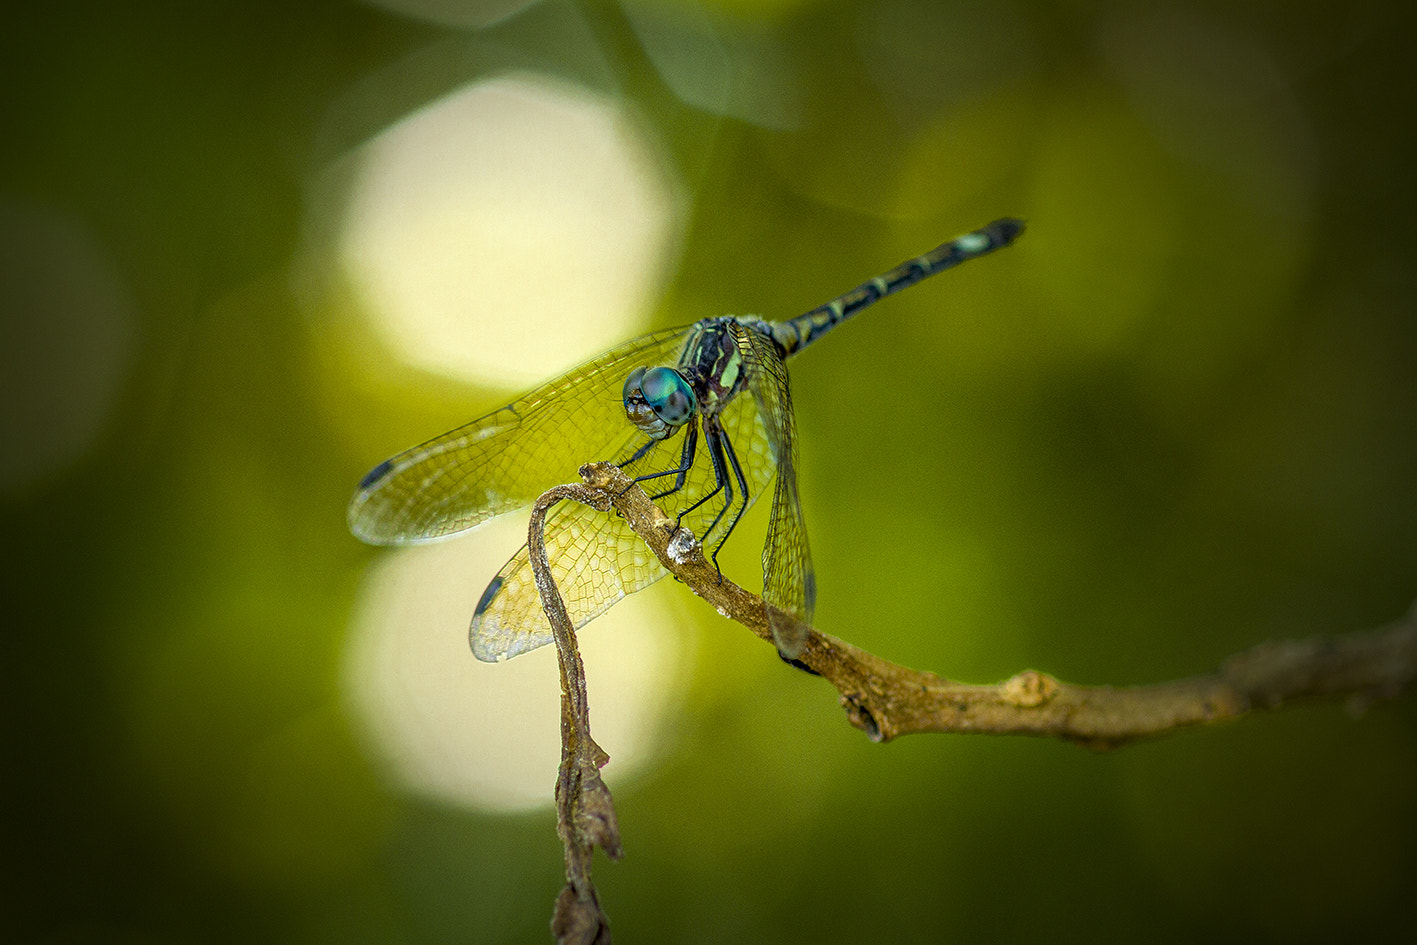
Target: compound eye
[(667, 393), (632, 385)]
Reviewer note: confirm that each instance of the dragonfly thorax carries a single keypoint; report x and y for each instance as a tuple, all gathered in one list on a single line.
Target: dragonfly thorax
[(659, 401)]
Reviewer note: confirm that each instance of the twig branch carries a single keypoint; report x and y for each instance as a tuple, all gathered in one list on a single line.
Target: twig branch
[(585, 813), (886, 700)]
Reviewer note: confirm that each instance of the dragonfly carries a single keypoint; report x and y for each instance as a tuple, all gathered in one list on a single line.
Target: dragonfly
[(700, 414)]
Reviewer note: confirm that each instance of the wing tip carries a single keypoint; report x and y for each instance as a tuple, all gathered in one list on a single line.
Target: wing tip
[(374, 476), (484, 643), (360, 524)]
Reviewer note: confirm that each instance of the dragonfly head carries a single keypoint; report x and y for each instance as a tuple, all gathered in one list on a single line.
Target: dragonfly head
[(659, 400)]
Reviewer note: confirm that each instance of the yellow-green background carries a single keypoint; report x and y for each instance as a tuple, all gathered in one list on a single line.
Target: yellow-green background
[(1176, 419)]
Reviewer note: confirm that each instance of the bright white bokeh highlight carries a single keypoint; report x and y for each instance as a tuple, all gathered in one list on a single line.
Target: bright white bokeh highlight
[(508, 231), (487, 735)]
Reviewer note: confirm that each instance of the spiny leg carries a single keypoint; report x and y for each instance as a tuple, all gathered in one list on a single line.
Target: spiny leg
[(639, 453), (686, 463), (727, 447), (713, 435), (724, 457), (680, 472)]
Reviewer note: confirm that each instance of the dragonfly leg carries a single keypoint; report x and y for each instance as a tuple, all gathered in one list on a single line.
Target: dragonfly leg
[(727, 447), (686, 463), (712, 435), (639, 453), (680, 472), (723, 457)]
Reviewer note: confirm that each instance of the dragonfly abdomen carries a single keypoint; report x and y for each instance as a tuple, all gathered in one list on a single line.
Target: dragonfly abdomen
[(797, 333)]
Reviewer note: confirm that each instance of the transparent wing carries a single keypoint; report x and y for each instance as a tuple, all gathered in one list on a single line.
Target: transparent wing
[(504, 460), (789, 583), (596, 560)]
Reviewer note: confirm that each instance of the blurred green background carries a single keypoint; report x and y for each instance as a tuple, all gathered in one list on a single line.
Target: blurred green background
[(1176, 419)]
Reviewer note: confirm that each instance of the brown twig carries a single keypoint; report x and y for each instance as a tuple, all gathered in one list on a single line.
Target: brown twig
[(886, 700), (585, 813)]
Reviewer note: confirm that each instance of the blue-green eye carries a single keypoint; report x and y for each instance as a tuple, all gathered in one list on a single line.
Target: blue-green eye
[(668, 395), (632, 386)]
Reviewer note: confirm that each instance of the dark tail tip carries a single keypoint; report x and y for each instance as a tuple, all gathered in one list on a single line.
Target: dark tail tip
[(1004, 231)]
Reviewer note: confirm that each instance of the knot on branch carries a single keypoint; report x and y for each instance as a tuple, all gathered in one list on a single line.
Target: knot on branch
[(579, 920), (1028, 689), (860, 715), (595, 821)]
